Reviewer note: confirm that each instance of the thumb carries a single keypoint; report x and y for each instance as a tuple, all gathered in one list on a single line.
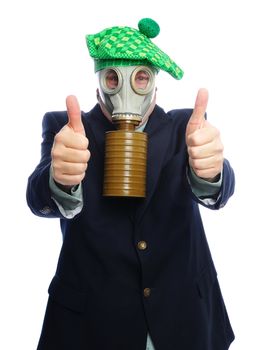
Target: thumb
[(74, 115), (197, 118)]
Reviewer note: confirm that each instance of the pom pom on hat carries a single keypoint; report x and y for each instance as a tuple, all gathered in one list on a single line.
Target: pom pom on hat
[(149, 27)]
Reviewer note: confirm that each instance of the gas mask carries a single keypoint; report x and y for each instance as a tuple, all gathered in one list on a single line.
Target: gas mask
[(127, 98), (127, 91)]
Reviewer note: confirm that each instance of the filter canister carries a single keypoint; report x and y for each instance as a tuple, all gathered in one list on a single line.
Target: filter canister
[(125, 164)]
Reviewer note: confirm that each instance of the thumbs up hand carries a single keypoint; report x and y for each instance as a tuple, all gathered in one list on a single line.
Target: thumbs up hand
[(204, 145), (70, 154)]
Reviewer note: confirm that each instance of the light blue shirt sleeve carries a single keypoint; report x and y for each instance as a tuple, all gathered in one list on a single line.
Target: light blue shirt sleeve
[(68, 204), (205, 191)]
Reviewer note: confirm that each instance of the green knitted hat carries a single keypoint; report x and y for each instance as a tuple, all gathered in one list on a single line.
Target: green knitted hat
[(125, 46)]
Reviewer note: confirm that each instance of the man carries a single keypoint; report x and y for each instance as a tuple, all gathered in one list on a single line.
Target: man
[(135, 271)]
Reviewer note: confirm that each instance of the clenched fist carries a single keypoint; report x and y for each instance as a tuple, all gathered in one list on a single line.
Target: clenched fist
[(204, 145), (70, 154)]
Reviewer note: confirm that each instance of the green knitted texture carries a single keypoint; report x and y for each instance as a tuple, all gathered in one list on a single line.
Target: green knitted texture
[(128, 46), (148, 27)]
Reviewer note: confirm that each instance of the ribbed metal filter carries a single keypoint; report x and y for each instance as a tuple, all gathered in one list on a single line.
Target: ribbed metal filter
[(125, 164)]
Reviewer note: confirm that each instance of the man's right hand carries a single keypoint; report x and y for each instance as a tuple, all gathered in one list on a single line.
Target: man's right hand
[(70, 154)]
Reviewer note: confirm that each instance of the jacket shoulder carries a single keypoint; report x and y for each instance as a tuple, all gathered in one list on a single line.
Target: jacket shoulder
[(54, 120), (180, 115), (179, 118)]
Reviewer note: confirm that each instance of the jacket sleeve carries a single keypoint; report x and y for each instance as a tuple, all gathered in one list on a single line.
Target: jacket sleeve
[(38, 194)]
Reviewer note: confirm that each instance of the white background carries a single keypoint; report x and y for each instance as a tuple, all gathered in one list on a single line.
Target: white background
[(44, 58)]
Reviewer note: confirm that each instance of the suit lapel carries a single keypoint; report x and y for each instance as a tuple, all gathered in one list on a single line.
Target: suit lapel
[(159, 129)]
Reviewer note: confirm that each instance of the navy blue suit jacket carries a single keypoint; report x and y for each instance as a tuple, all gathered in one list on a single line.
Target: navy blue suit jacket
[(96, 298)]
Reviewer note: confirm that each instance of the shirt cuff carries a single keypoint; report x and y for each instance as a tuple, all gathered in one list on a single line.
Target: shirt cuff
[(69, 204), (204, 189)]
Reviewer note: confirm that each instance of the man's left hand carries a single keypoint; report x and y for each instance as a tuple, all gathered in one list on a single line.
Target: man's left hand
[(204, 145)]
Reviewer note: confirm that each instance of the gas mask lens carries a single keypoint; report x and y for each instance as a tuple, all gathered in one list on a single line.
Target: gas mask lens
[(111, 81), (142, 80)]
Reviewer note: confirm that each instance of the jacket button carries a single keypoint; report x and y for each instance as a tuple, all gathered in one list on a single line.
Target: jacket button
[(142, 245), (146, 292)]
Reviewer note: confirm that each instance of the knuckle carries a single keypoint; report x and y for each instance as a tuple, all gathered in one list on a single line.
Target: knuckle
[(76, 179), (81, 168), (57, 176), (55, 167), (83, 141), (193, 152), (78, 169), (87, 155), (86, 141), (191, 140), (54, 153), (59, 137), (197, 172), (57, 151), (221, 147), (195, 163), (218, 144), (196, 138), (201, 173), (218, 160), (189, 150), (221, 158)]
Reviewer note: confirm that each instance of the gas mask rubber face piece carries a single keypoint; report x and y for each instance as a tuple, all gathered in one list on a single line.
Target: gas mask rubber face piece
[(127, 92)]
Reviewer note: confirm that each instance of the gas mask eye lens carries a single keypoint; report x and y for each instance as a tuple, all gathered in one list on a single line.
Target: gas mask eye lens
[(110, 81), (142, 80)]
